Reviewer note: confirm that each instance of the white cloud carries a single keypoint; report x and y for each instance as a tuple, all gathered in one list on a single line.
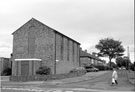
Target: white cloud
[(86, 21)]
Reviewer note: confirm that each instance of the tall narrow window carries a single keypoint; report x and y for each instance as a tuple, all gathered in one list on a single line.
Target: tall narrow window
[(62, 47), (73, 51), (68, 49), (77, 54), (31, 41)]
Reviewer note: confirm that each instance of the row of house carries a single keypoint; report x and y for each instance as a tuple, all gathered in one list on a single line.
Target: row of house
[(87, 59), (36, 44)]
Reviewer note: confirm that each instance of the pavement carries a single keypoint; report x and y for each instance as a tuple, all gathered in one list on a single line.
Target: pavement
[(131, 77)]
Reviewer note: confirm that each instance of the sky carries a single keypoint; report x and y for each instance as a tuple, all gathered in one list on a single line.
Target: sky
[(86, 21)]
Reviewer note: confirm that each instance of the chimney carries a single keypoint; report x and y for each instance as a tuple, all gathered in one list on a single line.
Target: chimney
[(93, 53), (86, 51), (80, 49)]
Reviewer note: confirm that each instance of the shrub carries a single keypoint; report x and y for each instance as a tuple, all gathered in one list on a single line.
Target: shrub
[(6, 72), (44, 70), (132, 67)]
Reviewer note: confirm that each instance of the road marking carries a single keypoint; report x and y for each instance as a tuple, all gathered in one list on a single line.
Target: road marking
[(56, 91), (23, 89), (34, 90)]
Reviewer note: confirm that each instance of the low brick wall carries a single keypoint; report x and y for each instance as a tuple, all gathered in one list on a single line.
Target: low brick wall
[(45, 77)]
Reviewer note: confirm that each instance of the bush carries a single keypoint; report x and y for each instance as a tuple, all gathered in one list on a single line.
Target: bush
[(132, 67), (6, 72), (44, 70)]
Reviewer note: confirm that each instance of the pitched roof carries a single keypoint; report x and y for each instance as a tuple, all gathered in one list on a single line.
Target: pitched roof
[(85, 54), (33, 19)]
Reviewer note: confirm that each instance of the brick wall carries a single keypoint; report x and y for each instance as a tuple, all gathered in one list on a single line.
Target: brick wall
[(36, 40), (64, 54), (33, 40)]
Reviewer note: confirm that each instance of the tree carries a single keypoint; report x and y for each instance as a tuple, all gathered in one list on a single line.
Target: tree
[(112, 64), (123, 61), (119, 61), (109, 47), (126, 62)]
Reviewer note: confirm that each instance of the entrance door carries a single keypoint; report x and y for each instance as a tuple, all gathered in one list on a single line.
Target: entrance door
[(24, 68)]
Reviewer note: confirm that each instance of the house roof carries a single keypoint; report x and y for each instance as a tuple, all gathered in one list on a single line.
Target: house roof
[(33, 19), (85, 54)]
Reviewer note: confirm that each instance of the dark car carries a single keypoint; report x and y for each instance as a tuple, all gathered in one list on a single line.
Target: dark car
[(91, 69), (94, 69)]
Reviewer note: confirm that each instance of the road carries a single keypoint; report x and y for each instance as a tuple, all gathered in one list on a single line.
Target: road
[(100, 83)]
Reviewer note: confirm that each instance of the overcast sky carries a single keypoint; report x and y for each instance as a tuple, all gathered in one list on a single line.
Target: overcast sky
[(86, 21)]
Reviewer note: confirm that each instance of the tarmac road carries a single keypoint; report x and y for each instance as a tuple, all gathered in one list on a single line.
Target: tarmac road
[(103, 82), (96, 82)]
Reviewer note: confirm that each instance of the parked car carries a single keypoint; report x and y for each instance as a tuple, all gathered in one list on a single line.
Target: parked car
[(77, 69), (94, 69), (91, 69), (123, 68)]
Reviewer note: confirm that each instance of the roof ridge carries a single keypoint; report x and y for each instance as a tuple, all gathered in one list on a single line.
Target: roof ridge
[(33, 19)]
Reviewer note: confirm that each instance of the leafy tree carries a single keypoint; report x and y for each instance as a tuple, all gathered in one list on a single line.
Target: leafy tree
[(119, 61), (126, 62), (109, 47), (123, 61), (112, 64), (132, 66)]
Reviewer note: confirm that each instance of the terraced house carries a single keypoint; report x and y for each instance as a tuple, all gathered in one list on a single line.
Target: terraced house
[(36, 44), (87, 59)]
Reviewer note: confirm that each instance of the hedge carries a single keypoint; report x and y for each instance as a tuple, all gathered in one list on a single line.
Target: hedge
[(6, 72)]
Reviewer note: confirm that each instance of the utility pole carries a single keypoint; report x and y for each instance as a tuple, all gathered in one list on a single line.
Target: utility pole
[(128, 55)]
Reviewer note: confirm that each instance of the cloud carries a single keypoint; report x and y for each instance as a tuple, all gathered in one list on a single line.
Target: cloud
[(5, 46), (86, 21)]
